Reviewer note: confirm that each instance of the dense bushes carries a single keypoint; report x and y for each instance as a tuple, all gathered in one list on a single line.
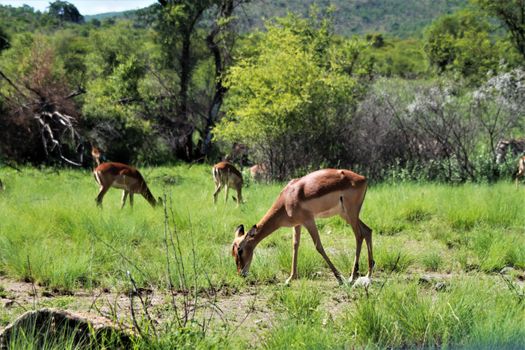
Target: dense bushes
[(436, 130), (156, 86), (292, 103)]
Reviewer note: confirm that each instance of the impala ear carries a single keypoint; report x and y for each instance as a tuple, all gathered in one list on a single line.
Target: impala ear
[(252, 231), (239, 231)]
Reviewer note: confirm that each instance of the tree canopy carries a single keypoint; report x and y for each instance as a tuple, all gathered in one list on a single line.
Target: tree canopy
[(195, 80), (65, 11)]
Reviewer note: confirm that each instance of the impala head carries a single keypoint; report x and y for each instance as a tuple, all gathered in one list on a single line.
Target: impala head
[(96, 153), (242, 249), (151, 200)]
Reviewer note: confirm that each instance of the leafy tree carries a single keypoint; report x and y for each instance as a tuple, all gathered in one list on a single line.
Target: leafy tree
[(116, 66), (41, 118), (178, 21), (395, 57), (187, 30), (512, 14), (290, 102), (65, 12), (461, 43)]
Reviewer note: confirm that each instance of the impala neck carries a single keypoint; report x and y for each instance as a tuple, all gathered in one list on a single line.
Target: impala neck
[(270, 222), (149, 197)]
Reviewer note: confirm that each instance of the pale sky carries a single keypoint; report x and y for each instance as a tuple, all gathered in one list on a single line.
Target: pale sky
[(86, 7)]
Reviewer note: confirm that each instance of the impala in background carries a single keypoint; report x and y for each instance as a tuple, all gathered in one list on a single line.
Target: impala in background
[(122, 176), (259, 172), (321, 194), (225, 175)]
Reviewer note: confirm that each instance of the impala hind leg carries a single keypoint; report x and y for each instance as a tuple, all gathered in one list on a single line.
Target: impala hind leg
[(314, 233), (226, 189), (131, 199), (518, 175), (361, 232), (295, 246), (367, 233), (239, 196), (358, 245)]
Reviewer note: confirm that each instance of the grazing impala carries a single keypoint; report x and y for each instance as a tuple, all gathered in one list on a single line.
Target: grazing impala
[(125, 177), (226, 175), (323, 193), (521, 169), (258, 172)]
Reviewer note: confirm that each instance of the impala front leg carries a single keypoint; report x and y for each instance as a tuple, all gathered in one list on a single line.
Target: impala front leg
[(296, 240), (101, 193), (124, 196), (312, 229)]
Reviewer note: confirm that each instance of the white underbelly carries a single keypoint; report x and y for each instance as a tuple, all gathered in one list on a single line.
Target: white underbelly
[(325, 206), (124, 182), (337, 210)]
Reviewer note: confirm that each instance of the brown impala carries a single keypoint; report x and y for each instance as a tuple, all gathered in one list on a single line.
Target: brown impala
[(226, 175), (521, 169), (322, 194), (121, 176), (258, 172)]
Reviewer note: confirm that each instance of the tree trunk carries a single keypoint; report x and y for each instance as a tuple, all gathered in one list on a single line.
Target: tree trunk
[(220, 89)]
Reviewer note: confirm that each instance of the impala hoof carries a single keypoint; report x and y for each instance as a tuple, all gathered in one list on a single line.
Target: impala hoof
[(289, 280), (362, 282)]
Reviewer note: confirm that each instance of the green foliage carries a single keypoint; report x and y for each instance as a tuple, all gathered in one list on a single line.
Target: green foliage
[(53, 233), (510, 13), (361, 17), (116, 67), (65, 12), (21, 19), (462, 43), (286, 85), (396, 57), (296, 89)]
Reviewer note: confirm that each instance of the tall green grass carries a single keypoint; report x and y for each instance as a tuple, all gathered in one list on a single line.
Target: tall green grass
[(52, 233), (407, 316)]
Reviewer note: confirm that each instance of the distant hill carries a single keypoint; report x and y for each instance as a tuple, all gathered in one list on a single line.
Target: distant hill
[(401, 18), (101, 16)]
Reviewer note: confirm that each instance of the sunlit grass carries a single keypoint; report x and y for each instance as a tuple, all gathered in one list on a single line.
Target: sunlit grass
[(51, 232)]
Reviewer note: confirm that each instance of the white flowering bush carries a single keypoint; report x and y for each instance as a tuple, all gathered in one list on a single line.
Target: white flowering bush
[(438, 130)]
